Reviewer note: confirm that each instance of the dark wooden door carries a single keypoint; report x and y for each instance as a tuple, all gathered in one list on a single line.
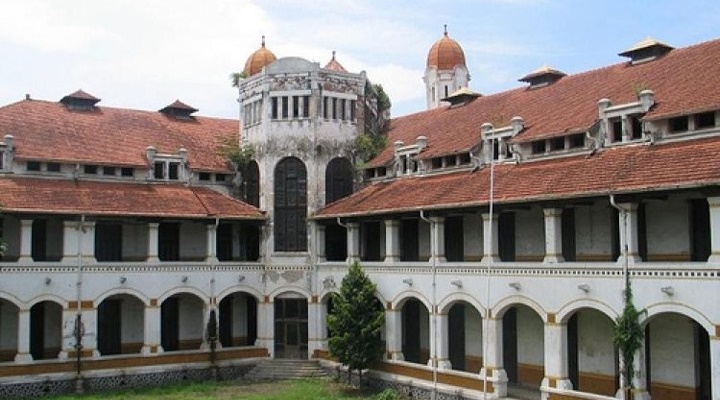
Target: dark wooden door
[(568, 234), (456, 336), (225, 311), (454, 239), (409, 247), (108, 242), (371, 241), (39, 240), (224, 242), (109, 327), (510, 345), (506, 236), (169, 241), (169, 316), (699, 230), (37, 331), (411, 331)]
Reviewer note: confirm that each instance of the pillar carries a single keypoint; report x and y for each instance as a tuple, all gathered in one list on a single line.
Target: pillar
[(715, 364), (393, 334), (266, 325), (153, 242), (490, 238), (152, 331), (23, 337), (392, 241), (353, 242), (439, 345), (25, 241), (79, 237), (437, 238), (320, 242), (493, 357), (629, 232), (556, 360), (714, 206), (211, 248), (553, 235), (640, 391), (316, 335)]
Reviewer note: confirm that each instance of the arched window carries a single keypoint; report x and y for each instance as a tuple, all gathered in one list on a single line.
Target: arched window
[(338, 179), (252, 184), (290, 205)]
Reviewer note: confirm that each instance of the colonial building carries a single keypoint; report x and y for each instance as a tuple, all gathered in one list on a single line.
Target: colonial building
[(499, 228)]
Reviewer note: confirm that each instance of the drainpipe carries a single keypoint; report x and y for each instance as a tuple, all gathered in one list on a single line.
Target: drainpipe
[(212, 318), (626, 274), (79, 329), (488, 270), (339, 222), (433, 266)]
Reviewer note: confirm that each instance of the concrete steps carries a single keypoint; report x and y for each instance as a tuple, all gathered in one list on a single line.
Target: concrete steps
[(275, 370)]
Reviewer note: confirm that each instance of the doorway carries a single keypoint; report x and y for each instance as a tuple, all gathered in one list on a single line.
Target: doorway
[(291, 328)]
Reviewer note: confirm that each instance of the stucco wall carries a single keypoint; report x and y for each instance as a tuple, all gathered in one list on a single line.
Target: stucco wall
[(672, 350), (530, 337), (473, 332), (135, 242), (668, 229), (190, 311), (8, 326), (193, 241), (596, 353), (133, 321), (530, 234), (472, 237), (593, 232)]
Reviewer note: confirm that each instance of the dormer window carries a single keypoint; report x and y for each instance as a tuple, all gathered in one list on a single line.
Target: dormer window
[(109, 171), (52, 167), (33, 166), (576, 141), (705, 120), (90, 169), (80, 101), (406, 156), (169, 167), (538, 147), (179, 110), (678, 124), (542, 76), (646, 50)]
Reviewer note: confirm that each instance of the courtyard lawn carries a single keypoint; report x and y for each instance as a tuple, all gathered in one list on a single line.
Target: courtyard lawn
[(311, 389)]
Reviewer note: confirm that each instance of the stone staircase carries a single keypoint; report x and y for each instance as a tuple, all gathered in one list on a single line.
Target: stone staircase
[(275, 370)]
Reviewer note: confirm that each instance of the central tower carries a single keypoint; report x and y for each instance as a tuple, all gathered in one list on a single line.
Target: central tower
[(446, 71)]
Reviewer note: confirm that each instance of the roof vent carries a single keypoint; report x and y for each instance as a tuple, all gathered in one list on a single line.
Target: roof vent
[(80, 100), (542, 76), (647, 50), (461, 97), (334, 65), (178, 110)]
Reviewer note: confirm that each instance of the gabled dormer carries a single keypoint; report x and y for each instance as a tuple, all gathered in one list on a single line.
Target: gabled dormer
[(623, 122), (646, 50), (406, 156), (166, 166), (80, 101), (496, 140), (179, 110), (542, 76)]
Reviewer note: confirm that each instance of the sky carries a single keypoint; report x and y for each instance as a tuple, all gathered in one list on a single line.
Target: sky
[(144, 54)]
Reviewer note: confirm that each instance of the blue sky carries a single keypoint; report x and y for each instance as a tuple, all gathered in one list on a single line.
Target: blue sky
[(146, 54)]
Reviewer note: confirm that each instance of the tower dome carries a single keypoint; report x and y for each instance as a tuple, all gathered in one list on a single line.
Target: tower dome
[(445, 54), (258, 60)]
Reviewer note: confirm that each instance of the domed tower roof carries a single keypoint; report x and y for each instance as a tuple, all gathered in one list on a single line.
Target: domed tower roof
[(259, 59), (446, 53)]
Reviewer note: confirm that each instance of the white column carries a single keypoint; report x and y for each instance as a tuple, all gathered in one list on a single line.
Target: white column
[(553, 235), (353, 242), (490, 238), (316, 336), (153, 242), (640, 391), (437, 238), (393, 334), (715, 364), (629, 232), (439, 341), (266, 326), (556, 366), (70, 241), (493, 358), (392, 241), (320, 241), (23, 337), (714, 205), (87, 242), (25, 241), (152, 333), (211, 247)]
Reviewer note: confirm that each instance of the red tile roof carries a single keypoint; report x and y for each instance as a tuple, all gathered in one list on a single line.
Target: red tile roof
[(52, 196), (684, 81), (626, 169), (111, 136)]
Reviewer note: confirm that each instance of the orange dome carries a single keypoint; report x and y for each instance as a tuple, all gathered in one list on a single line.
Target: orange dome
[(259, 59), (445, 54)]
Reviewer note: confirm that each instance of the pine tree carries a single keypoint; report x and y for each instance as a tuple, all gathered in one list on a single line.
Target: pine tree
[(356, 322)]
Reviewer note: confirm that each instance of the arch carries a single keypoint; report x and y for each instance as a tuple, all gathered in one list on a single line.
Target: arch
[(504, 304), (181, 290), (339, 176), (290, 205), (11, 299), (567, 311), (446, 303), (120, 291), (48, 297), (120, 324), (285, 290), (400, 299), (46, 329), (251, 184), (237, 317), (654, 310), (242, 289)]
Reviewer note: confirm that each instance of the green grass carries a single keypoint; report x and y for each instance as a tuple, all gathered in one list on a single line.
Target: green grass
[(312, 389)]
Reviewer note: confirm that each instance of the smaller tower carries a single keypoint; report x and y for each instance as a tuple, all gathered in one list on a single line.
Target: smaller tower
[(446, 71)]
